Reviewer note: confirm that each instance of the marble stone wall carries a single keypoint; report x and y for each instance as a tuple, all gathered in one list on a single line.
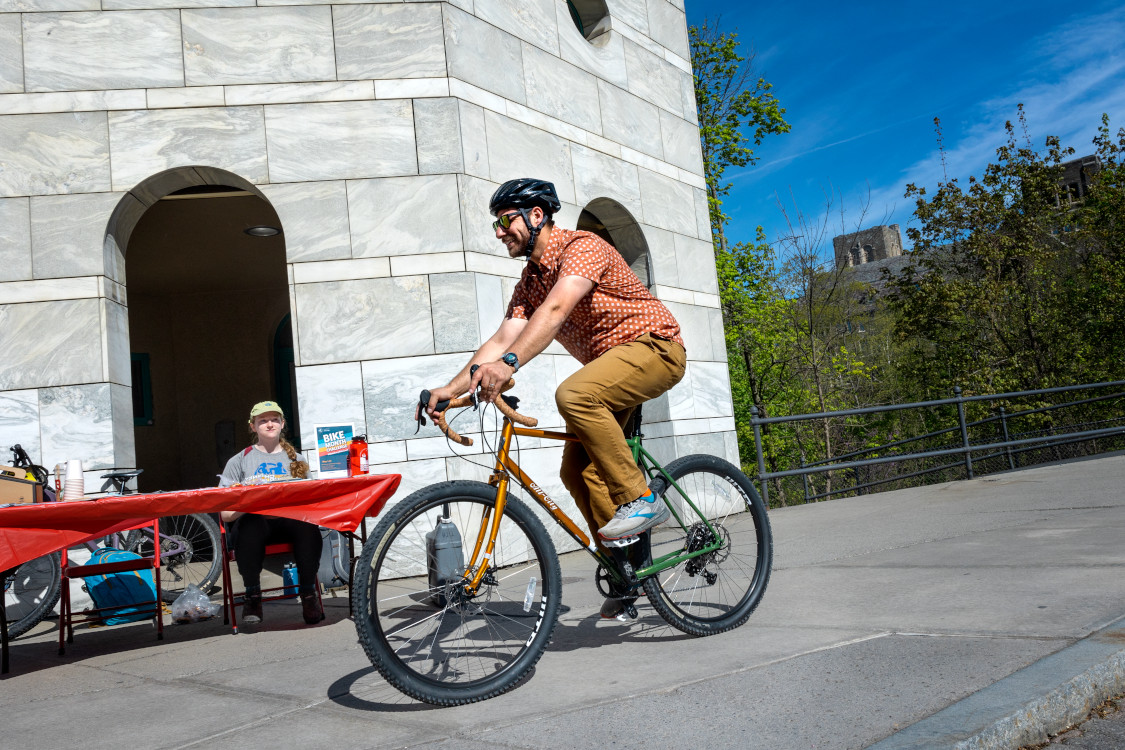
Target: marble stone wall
[(377, 131)]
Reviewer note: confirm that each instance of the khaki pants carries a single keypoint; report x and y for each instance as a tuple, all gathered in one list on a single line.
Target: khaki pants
[(597, 402)]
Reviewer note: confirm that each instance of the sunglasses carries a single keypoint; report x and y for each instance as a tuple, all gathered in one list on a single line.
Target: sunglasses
[(504, 220)]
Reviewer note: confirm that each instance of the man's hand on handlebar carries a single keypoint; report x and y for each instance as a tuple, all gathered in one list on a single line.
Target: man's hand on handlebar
[(490, 377), (445, 393)]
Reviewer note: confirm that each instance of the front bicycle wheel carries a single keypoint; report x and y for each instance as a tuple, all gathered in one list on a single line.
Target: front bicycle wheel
[(191, 552), (31, 592), (718, 590), (425, 632)]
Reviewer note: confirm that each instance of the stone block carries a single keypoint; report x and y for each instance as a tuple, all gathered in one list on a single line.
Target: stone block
[(668, 204), (681, 142), (695, 327), (330, 394), (141, 4), (391, 388), (340, 270), (50, 290), (341, 321), (680, 399), (718, 334), (710, 384), (474, 144), (404, 216), (630, 120), (605, 57), (476, 222), (711, 444), (534, 21), (43, 6), (135, 49), (118, 362), (561, 90), (344, 147), (124, 440), (632, 12), (484, 55), (76, 421), (687, 91), (702, 215), (668, 26), (11, 54), (145, 143), (257, 45), (438, 131), (188, 96), (653, 78), (431, 263), (389, 41), (50, 343), (696, 261), (15, 239), (454, 298), (19, 422), (491, 303), (411, 88), (518, 150), (52, 154), (68, 234), (293, 93), (662, 257), (599, 176), (314, 217)]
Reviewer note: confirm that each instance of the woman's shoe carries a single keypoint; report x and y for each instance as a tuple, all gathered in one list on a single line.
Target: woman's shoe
[(252, 609), (311, 609)]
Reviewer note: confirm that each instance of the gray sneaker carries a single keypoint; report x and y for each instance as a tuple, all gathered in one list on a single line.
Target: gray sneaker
[(612, 608), (633, 518)]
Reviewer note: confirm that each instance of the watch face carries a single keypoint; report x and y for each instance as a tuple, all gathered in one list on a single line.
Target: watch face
[(511, 360)]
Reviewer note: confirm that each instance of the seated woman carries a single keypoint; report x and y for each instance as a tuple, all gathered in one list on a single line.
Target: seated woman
[(270, 458)]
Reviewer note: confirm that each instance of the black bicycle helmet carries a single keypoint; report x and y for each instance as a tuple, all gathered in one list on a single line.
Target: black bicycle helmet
[(526, 192), (523, 195)]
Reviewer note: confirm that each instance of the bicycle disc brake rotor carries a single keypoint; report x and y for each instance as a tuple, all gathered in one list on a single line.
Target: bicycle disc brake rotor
[(699, 537)]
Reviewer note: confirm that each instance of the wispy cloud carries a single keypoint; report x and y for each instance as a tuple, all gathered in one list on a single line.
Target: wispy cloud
[(1073, 75)]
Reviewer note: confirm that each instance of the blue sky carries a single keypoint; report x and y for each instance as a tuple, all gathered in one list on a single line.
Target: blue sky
[(862, 82)]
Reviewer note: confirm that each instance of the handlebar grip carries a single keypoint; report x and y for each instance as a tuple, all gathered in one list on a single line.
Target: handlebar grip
[(424, 400)]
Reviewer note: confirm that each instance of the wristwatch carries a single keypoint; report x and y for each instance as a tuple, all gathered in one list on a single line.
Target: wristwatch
[(511, 360)]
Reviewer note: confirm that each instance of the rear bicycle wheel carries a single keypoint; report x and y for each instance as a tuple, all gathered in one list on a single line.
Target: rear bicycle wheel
[(717, 591), (31, 592), (191, 553), (425, 633)]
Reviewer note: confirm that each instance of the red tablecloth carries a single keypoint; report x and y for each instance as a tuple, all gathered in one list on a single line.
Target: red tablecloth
[(30, 531)]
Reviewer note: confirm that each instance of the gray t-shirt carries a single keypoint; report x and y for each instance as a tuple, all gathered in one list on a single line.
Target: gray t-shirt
[(254, 466)]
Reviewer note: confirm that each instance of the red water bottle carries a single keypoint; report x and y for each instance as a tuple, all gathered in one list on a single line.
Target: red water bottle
[(357, 456)]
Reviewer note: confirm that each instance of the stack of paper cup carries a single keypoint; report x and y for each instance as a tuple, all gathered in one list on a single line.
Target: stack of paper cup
[(74, 488)]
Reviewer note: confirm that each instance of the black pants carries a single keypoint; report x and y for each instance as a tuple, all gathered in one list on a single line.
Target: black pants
[(253, 532)]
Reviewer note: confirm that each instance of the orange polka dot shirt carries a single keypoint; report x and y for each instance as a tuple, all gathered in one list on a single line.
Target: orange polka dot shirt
[(618, 310)]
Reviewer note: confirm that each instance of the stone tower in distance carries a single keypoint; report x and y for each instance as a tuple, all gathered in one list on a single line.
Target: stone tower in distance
[(874, 243)]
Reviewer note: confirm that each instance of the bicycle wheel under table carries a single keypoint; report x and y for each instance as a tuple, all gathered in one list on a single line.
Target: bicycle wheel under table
[(31, 593), (421, 628), (717, 591), (191, 552)]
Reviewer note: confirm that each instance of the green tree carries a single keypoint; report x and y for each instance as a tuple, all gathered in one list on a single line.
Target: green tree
[(736, 108)]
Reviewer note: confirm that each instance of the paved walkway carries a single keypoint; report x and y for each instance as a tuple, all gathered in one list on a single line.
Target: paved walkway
[(956, 613)]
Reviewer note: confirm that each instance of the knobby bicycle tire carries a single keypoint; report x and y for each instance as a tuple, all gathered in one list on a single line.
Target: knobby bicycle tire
[(421, 630), (31, 593), (192, 553), (717, 591)]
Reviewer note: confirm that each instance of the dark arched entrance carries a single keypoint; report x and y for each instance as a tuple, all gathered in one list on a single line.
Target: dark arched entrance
[(612, 222), (207, 300)]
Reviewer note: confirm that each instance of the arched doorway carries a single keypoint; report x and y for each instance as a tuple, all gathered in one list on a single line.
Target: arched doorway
[(612, 222), (208, 306)]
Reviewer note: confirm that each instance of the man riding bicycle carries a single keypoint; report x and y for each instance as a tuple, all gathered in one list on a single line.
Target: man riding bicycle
[(577, 289)]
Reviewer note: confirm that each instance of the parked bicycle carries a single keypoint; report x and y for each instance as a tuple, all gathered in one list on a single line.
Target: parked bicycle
[(190, 554), (458, 589)]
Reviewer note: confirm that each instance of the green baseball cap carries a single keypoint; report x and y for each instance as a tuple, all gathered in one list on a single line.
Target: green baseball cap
[(265, 406)]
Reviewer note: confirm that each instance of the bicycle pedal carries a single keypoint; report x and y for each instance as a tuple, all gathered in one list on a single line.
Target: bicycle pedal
[(623, 542), (630, 612)]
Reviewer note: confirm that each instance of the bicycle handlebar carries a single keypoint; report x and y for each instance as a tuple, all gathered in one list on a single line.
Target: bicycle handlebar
[(506, 405)]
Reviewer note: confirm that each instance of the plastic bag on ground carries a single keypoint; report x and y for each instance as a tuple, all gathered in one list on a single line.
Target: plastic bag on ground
[(193, 606)]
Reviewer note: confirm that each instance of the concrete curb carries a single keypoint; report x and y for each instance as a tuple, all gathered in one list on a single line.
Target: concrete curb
[(1070, 682)]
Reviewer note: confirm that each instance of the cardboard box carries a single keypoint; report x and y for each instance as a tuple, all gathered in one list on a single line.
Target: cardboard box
[(19, 491)]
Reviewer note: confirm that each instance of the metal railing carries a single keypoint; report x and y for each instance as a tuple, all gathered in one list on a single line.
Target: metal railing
[(1008, 449)]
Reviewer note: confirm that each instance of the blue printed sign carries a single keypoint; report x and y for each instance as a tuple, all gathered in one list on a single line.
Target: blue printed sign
[(332, 449)]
